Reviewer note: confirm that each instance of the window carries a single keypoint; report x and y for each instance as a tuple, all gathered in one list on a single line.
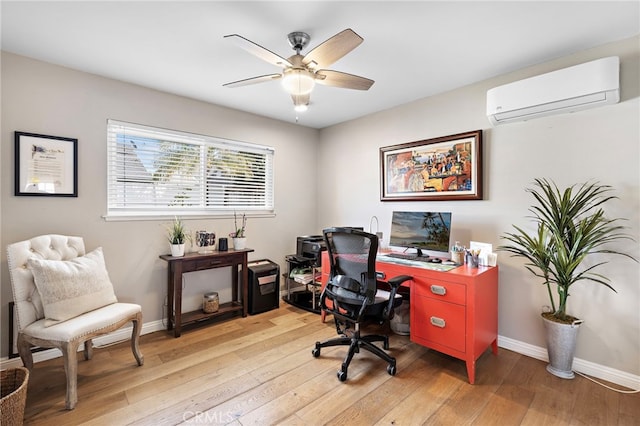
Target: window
[(158, 172)]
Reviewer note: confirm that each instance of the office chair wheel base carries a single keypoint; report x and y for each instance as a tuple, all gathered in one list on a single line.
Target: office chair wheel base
[(391, 369), (342, 375), (315, 352)]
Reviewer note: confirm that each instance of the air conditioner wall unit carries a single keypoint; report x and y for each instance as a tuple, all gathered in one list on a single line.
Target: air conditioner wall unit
[(579, 87)]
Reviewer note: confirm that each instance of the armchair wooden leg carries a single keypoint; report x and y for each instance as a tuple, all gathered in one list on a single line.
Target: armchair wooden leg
[(135, 338), (70, 357), (24, 350), (88, 349)]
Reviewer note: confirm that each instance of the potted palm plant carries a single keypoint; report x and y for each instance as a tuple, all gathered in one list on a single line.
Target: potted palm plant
[(177, 236), (570, 226)]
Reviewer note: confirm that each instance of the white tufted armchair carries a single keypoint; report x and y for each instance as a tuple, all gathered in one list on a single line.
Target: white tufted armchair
[(35, 329)]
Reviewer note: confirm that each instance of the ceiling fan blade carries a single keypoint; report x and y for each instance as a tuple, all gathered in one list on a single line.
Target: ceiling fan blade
[(331, 50), (253, 80), (342, 79), (259, 51)]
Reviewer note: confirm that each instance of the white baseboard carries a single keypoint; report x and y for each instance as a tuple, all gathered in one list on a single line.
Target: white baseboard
[(586, 367), (592, 369)]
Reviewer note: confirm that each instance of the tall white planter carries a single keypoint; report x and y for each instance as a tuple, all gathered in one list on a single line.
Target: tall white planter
[(561, 347)]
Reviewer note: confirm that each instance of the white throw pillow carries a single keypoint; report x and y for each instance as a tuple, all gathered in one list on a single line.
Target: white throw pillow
[(69, 288)]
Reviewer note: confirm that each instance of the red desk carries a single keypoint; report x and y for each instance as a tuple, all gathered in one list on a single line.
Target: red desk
[(197, 262), (454, 312)]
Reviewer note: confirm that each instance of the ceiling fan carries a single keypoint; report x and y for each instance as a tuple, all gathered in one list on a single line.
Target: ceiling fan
[(300, 73)]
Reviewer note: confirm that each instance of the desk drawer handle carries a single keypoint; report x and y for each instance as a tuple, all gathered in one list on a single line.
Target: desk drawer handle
[(439, 290), (438, 322)]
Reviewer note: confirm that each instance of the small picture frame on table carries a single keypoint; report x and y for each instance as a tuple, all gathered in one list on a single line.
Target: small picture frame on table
[(45, 165)]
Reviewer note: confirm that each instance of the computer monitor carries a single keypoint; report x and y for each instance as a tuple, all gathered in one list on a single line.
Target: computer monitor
[(421, 231)]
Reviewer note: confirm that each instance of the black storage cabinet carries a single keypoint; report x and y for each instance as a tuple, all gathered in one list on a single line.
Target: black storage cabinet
[(264, 286)]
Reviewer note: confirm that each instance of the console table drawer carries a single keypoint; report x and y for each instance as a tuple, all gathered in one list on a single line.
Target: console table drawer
[(438, 322), (199, 265), (440, 290)]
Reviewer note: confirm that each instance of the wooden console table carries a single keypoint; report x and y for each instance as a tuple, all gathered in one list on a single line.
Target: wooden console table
[(197, 262)]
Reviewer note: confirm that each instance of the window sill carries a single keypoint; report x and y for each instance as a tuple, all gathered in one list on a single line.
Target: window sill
[(129, 217)]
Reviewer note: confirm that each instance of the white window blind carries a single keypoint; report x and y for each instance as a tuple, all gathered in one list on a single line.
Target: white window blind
[(158, 172)]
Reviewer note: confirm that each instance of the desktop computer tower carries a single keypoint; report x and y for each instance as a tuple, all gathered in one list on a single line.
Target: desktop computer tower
[(264, 286)]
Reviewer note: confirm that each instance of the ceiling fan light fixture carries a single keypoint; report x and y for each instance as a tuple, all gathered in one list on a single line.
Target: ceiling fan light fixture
[(300, 103), (298, 81), (301, 107)]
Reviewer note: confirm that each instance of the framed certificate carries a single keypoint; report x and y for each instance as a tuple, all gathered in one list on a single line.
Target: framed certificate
[(45, 165)]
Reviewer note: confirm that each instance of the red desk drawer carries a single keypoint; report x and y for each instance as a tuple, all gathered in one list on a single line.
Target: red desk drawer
[(438, 322), (439, 290)]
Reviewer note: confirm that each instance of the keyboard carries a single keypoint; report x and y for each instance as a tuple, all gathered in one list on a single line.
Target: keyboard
[(409, 256)]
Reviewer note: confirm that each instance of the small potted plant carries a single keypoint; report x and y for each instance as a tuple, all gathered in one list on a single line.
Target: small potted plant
[(570, 226), (177, 236), (238, 236)]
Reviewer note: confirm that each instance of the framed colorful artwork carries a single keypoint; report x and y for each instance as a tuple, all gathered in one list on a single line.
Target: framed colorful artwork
[(445, 168)]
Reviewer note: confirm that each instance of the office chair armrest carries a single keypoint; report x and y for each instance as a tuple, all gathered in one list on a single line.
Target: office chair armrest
[(394, 283)]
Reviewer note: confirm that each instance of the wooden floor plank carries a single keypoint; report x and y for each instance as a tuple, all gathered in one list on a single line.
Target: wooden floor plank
[(294, 398), (260, 370), (266, 393), (594, 405), (469, 400), (228, 368), (629, 407), (512, 398), (355, 388), (417, 407), (552, 396), (379, 401)]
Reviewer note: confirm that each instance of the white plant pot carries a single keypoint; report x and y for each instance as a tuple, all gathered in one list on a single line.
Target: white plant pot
[(561, 346), (239, 243), (177, 250)]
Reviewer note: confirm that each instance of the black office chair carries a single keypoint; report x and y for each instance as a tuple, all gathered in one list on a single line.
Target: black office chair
[(351, 294)]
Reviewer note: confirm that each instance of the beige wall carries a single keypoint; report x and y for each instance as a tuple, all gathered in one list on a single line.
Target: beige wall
[(42, 98), (601, 144)]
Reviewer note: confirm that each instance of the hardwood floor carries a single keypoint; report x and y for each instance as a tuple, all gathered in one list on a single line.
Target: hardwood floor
[(259, 370)]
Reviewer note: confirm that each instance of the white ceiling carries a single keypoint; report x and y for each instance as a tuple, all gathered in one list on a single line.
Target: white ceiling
[(411, 49)]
